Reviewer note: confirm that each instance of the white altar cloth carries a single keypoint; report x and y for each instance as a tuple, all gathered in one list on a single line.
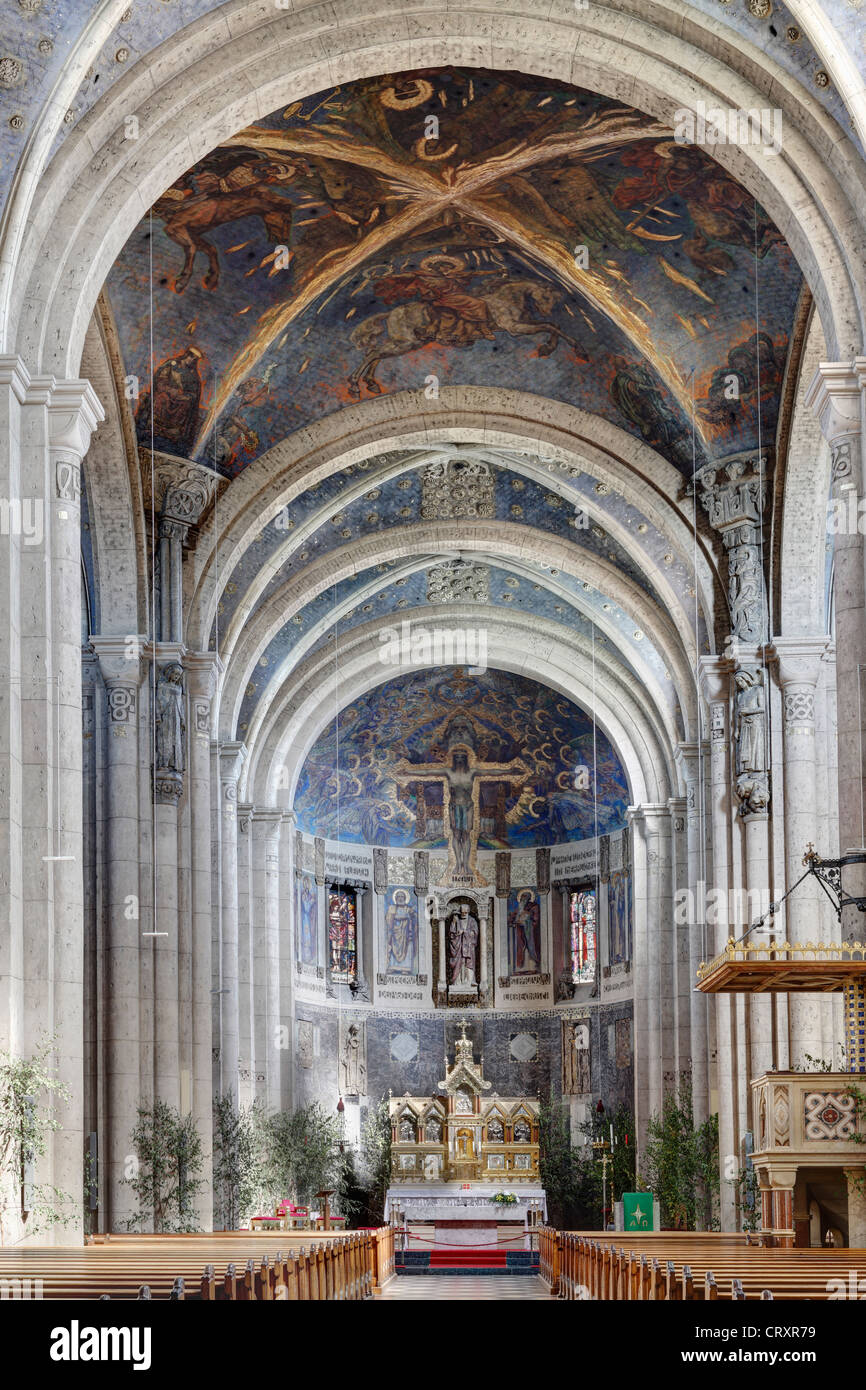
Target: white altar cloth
[(453, 1201)]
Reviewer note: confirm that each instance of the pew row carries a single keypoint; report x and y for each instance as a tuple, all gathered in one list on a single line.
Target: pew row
[(688, 1266), (237, 1267)]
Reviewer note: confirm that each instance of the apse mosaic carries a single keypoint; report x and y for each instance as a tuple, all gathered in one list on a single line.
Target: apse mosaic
[(399, 757), (462, 227)]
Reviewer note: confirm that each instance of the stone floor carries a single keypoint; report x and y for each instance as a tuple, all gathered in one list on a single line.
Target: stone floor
[(464, 1287)]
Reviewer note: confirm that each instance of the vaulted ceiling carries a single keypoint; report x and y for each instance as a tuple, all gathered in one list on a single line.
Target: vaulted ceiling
[(455, 226), (442, 231)]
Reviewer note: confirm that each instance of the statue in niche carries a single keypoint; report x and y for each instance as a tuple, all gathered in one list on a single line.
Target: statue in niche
[(170, 723), (522, 1132), (462, 944), (751, 740), (463, 1102), (433, 1132), (353, 1065), (407, 1130), (495, 1132)]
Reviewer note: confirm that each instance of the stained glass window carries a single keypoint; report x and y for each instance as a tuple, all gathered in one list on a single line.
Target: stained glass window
[(583, 936), (343, 934)]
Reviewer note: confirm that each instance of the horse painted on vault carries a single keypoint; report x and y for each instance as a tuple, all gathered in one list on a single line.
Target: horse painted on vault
[(510, 309)]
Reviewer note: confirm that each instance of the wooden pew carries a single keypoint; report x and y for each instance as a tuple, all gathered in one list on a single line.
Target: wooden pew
[(183, 1268)]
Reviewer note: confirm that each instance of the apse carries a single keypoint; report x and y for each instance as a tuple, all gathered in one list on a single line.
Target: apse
[(540, 771)]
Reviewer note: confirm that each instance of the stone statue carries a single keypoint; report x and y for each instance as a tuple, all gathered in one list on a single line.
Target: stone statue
[(750, 732), (353, 1063), (170, 723), (462, 942), (745, 589)]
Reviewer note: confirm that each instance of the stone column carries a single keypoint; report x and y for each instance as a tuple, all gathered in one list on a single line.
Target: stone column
[(202, 670), (715, 677), (266, 935), (165, 944), (799, 666), (246, 958), (836, 396), (231, 757), (675, 960), (120, 664), (483, 928), (443, 978), (288, 934), (855, 1178), (45, 429), (653, 917), (692, 759)]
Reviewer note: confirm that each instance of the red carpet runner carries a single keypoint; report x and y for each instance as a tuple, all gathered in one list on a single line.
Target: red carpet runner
[(484, 1257)]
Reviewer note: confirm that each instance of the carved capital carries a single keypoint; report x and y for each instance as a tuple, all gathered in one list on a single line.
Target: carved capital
[(167, 787), (231, 757)]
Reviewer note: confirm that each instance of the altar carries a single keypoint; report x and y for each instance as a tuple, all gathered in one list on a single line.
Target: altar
[(465, 1162)]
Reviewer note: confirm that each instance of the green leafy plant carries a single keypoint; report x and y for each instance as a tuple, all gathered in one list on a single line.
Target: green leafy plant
[(166, 1161), (239, 1146), (28, 1091), (302, 1154), (376, 1162), (681, 1163)]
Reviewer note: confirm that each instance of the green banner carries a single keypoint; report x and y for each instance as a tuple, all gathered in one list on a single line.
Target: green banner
[(637, 1211)]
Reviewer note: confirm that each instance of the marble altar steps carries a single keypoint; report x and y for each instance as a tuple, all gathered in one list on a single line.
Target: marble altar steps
[(684, 1266), (477, 1260), (227, 1266)]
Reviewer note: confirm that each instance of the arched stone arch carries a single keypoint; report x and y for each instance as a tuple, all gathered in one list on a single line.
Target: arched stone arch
[(103, 183), (803, 559), (114, 493), (439, 537), (483, 416), (298, 716)]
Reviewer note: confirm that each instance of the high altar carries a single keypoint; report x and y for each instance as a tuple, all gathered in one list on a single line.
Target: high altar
[(451, 1154)]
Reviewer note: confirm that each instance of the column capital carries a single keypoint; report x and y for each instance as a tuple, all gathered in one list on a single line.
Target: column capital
[(687, 756), (14, 374), (650, 814), (835, 395), (74, 411), (289, 817), (268, 817), (232, 755), (120, 658), (798, 659), (203, 672), (715, 677)]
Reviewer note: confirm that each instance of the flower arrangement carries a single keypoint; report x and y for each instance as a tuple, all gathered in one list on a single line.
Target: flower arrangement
[(504, 1199)]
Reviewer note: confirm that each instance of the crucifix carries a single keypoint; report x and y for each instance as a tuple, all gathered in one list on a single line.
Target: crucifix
[(461, 783)]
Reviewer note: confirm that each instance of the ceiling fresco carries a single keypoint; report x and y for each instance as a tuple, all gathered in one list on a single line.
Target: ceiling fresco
[(382, 773), (39, 36), (455, 227)]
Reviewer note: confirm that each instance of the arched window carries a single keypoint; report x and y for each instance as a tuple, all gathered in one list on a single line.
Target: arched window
[(583, 935), (343, 934)]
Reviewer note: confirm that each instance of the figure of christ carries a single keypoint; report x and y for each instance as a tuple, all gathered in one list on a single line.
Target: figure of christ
[(461, 783)]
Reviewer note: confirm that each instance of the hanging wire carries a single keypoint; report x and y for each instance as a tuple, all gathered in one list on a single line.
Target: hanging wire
[(701, 787), (153, 609)]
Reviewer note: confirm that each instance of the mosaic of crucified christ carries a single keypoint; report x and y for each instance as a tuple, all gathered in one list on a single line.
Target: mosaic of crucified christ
[(454, 227)]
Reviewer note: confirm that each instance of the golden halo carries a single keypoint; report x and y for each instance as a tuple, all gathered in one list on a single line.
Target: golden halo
[(434, 263)]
